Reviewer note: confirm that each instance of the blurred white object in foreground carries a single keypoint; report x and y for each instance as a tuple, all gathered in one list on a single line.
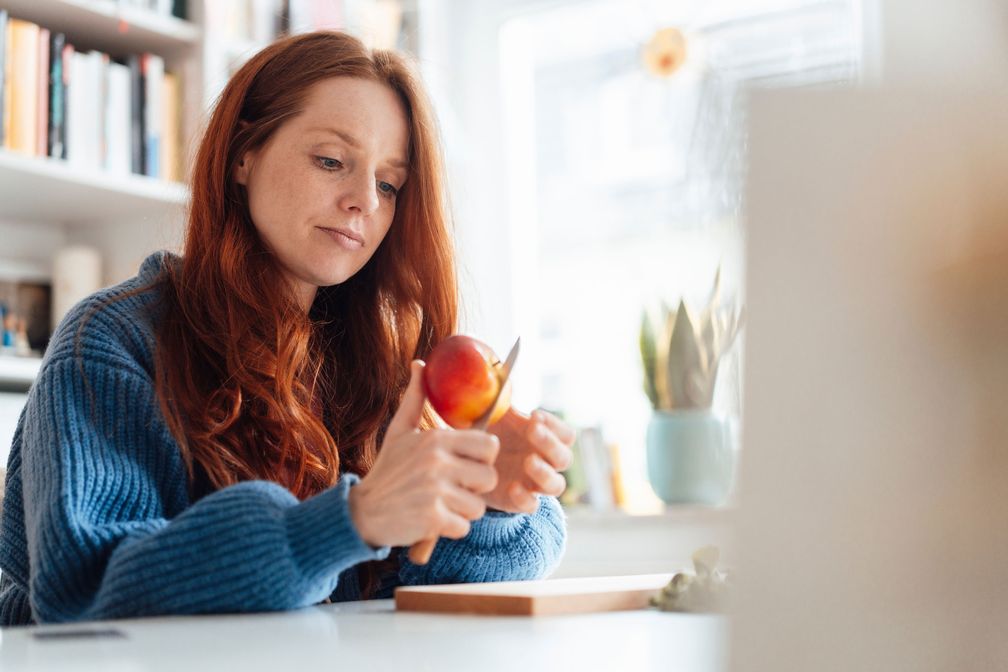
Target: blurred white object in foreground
[(873, 527)]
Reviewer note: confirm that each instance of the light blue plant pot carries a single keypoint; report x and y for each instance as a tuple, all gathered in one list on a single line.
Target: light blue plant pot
[(690, 457)]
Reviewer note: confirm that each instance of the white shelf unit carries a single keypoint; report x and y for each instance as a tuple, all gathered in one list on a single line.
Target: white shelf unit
[(16, 376), (48, 203), (104, 24), (615, 543), (18, 372), (45, 190)]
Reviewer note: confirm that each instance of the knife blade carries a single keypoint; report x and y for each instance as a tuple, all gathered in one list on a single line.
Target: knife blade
[(484, 420)]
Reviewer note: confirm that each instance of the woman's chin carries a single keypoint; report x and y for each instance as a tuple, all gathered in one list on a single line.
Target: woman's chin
[(332, 276)]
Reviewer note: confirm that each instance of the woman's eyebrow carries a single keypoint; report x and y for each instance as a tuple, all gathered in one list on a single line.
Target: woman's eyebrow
[(354, 142)]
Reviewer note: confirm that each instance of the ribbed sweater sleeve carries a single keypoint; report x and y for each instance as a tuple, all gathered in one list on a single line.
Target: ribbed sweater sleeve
[(109, 532), (499, 547)]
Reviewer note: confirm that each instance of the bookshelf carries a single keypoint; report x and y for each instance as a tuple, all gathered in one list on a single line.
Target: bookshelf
[(48, 203)]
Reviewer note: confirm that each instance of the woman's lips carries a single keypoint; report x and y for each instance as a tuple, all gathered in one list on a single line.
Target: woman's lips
[(345, 238)]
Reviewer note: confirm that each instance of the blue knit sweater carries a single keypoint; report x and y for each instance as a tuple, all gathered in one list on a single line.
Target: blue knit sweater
[(98, 523)]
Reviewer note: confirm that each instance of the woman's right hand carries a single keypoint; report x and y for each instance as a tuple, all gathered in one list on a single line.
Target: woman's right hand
[(424, 484)]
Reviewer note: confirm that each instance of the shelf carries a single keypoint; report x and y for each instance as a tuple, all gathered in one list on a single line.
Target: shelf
[(35, 189), (671, 515), (18, 372), (104, 25), (613, 543)]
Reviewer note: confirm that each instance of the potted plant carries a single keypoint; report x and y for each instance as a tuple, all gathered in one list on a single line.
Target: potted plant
[(690, 454)]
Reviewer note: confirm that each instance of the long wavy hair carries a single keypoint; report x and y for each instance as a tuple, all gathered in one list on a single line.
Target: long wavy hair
[(252, 387)]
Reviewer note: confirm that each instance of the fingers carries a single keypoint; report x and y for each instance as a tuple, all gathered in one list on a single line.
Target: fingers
[(453, 526), (470, 443), (463, 459), (523, 500), (463, 503), (455, 510), (563, 431), (477, 477), (552, 438), (544, 477), (407, 417), (457, 527)]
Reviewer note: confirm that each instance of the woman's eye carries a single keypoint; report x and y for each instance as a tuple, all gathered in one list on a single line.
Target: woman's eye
[(387, 189), (326, 163)]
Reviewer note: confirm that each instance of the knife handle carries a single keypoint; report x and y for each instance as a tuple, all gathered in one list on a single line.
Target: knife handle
[(420, 552)]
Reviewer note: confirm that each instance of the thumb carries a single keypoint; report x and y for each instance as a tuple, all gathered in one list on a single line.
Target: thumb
[(407, 417)]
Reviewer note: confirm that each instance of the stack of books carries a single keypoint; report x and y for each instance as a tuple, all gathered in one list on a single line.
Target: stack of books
[(122, 115)]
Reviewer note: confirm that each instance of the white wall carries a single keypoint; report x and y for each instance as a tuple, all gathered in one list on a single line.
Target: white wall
[(938, 44)]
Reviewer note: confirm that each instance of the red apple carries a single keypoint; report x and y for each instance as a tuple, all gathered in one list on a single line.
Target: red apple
[(461, 380)]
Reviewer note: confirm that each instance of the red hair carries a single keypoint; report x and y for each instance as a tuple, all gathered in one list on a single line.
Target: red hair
[(250, 386)]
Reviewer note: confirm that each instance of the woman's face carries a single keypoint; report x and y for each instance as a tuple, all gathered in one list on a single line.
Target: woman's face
[(322, 190)]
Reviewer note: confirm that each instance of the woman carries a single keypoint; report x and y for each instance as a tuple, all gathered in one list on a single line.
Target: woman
[(241, 428)]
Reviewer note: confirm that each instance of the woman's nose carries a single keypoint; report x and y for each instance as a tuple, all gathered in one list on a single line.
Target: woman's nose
[(360, 193)]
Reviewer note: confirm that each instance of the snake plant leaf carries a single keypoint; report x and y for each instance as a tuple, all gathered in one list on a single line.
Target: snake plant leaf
[(700, 387), (715, 298), (648, 358), (732, 326), (664, 336), (683, 358), (708, 326), (681, 354), (710, 337)]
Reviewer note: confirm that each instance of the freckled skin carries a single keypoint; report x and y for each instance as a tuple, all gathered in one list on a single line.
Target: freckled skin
[(294, 195)]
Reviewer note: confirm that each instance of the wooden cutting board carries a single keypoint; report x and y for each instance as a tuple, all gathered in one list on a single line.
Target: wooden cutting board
[(532, 598)]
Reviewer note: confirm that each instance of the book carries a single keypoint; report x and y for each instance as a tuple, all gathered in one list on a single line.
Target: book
[(59, 54), (4, 18), (153, 73), (171, 116), (42, 92), (137, 133), (118, 153), (99, 82), (86, 109), (21, 85), (76, 107)]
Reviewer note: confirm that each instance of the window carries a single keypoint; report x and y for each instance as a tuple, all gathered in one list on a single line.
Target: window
[(621, 189)]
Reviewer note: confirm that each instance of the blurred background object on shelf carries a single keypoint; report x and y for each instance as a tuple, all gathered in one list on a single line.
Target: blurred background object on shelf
[(76, 273), (25, 298)]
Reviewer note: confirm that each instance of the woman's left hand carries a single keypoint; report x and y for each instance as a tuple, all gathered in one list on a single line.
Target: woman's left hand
[(533, 450)]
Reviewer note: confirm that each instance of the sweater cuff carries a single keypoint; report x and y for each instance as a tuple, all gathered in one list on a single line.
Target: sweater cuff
[(322, 535), (501, 528), (499, 547)]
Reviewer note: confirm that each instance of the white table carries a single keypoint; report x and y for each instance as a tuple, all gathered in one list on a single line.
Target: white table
[(372, 636)]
